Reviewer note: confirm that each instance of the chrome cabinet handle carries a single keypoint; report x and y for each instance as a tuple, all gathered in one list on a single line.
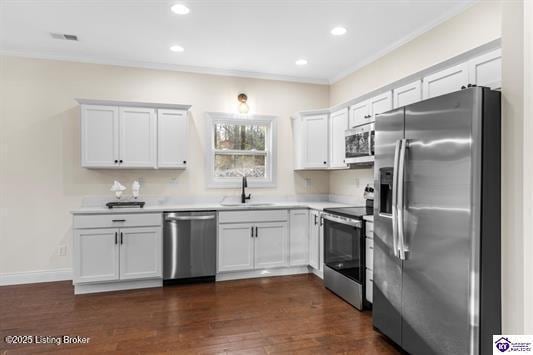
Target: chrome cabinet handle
[(401, 173), (252, 232), (189, 218), (395, 199), (256, 233), (116, 237), (118, 220), (121, 238)]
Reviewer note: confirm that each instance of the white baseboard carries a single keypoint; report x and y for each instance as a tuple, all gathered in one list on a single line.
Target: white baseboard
[(81, 289), (283, 271), (28, 277)]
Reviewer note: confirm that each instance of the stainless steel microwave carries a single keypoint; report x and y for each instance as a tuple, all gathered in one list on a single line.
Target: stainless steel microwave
[(359, 143)]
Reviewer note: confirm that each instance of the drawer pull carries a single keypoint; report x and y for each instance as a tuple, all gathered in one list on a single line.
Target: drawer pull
[(118, 220)]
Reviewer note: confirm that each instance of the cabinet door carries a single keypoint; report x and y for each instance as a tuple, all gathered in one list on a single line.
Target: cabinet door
[(359, 113), (140, 253), (96, 255), (446, 81), (486, 70), (314, 233), (379, 104), (137, 137), (299, 237), (172, 138), (271, 245), (235, 247), (338, 123), (407, 94), (99, 136), (315, 141)]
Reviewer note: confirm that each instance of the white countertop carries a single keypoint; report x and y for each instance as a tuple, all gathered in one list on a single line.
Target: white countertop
[(316, 205)]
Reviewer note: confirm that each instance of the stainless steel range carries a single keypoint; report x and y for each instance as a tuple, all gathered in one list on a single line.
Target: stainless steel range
[(344, 253)]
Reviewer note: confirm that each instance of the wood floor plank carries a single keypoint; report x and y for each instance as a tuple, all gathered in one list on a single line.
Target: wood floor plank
[(278, 315)]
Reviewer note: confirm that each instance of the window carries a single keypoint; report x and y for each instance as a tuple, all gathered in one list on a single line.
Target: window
[(241, 146)]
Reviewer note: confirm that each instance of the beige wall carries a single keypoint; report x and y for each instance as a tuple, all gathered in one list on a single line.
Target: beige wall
[(41, 178), (478, 25)]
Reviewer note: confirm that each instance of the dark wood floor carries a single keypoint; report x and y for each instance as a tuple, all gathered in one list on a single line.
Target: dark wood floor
[(292, 314)]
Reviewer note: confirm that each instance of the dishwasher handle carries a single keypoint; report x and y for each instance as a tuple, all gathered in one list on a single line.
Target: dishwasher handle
[(189, 218)]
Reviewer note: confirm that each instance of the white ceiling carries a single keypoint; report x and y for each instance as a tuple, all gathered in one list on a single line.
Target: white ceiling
[(259, 38)]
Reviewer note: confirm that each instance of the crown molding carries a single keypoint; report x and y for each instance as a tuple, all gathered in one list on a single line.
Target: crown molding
[(163, 66)]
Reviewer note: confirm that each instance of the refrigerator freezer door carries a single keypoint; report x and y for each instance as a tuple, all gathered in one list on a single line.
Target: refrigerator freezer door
[(387, 266), (441, 183)]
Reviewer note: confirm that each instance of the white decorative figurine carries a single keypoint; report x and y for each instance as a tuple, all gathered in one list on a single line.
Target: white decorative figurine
[(135, 188), (118, 188)]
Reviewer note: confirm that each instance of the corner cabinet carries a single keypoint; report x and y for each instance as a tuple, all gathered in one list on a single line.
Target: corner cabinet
[(315, 141), (338, 124), (133, 135)]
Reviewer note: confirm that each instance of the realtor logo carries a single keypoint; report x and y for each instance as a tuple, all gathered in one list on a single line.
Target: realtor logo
[(502, 344), (511, 344)]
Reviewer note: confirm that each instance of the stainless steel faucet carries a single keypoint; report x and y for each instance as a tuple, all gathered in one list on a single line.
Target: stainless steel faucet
[(243, 194)]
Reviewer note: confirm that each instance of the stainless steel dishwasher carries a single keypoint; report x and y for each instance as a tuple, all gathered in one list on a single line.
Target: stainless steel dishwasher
[(189, 246)]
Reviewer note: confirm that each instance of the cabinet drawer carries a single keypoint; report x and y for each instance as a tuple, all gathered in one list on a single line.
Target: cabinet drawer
[(117, 220), (253, 216), (369, 229), (370, 253), (369, 285)]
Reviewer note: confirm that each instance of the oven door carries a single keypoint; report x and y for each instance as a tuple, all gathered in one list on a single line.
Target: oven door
[(344, 247)]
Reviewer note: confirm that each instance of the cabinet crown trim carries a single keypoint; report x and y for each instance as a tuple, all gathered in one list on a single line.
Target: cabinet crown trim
[(132, 104)]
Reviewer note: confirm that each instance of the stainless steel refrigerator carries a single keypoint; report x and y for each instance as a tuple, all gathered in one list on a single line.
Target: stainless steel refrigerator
[(437, 224)]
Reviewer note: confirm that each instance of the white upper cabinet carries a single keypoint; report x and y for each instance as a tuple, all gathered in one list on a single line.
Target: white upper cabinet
[(137, 137), (407, 94), (445, 81), (379, 104), (360, 113), (338, 123), (315, 141), (118, 134), (99, 136), (486, 70), (172, 138)]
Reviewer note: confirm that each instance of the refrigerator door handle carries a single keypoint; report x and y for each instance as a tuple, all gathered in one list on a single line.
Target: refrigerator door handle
[(394, 199), (400, 200)]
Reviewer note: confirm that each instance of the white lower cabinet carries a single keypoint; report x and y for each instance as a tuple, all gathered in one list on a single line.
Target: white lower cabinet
[(117, 254), (299, 237), (235, 247), (271, 245), (314, 240), (96, 255), (140, 253)]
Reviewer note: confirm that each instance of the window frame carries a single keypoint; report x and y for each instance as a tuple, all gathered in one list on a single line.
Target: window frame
[(270, 149)]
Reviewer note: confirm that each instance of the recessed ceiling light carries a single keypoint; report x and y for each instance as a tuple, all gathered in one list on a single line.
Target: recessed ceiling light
[(301, 62), (338, 31), (180, 9), (177, 48)]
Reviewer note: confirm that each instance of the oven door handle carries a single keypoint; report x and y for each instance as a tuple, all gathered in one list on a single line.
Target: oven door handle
[(356, 224)]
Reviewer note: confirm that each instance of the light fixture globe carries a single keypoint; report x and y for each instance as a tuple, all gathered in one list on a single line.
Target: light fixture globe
[(243, 106)]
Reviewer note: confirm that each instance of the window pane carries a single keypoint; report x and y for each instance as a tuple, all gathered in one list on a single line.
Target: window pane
[(239, 165), (239, 137)]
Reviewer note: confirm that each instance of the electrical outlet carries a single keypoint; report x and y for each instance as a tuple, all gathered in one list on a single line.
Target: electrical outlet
[(173, 180), (307, 182), (62, 250)]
